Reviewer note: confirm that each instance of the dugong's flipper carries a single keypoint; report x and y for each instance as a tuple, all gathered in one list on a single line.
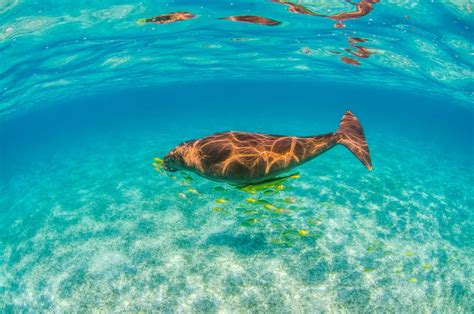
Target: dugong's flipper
[(351, 135)]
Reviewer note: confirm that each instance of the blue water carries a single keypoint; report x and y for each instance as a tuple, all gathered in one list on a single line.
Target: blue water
[(89, 98)]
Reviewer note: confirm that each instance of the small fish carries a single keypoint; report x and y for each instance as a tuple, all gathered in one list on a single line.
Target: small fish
[(350, 61), (193, 191), (252, 19), (221, 201), (316, 222), (182, 195), (158, 160), (187, 177), (217, 209), (277, 241), (295, 176), (269, 207), (369, 270), (281, 211), (269, 184), (157, 163), (412, 279), (426, 266), (290, 200), (250, 211), (290, 233), (303, 232), (249, 222), (184, 183), (408, 253), (168, 18), (219, 189), (279, 187), (251, 200)]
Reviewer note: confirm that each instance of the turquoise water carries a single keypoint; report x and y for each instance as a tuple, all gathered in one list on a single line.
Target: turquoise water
[(89, 97)]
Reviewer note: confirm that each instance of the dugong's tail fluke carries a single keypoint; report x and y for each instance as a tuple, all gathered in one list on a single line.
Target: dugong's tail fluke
[(351, 135)]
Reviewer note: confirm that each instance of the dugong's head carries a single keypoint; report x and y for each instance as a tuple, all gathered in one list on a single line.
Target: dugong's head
[(174, 160)]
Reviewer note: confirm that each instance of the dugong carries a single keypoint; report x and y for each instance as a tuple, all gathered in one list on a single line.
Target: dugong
[(242, 158)]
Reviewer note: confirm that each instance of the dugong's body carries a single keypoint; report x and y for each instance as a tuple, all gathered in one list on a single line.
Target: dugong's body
[(245, 158)]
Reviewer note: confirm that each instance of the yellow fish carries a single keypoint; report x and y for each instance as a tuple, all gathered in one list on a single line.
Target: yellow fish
[(289, 200), (269, 207), (303, 232), (251, 200), (275, 183), (158, 160)]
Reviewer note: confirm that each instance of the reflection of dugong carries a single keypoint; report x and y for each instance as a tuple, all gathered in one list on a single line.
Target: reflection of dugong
[(246, 158)]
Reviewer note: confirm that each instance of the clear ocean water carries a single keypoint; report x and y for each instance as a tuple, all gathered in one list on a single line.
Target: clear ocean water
[(88, 97)]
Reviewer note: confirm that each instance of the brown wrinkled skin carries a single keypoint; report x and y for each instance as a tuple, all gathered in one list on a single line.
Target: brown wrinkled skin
[(252, 19), (245, 158), (170, 18)]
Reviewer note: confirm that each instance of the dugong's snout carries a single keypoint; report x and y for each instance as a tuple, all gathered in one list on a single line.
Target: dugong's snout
[(173, 161), (169, 164)]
